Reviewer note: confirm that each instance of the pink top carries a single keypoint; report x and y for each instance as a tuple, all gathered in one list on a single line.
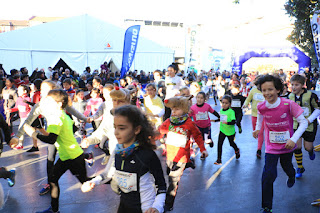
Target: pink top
[(200, 115), (22, 107), (278, 124), (92, 106)]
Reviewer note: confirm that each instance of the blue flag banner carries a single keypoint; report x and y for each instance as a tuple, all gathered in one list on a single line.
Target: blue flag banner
[(129, 48), (315, 26)]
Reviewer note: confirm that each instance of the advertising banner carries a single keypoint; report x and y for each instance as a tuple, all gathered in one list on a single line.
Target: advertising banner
[(129, 48)]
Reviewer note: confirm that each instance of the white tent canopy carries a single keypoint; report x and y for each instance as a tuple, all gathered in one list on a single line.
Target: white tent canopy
[(80, 41)]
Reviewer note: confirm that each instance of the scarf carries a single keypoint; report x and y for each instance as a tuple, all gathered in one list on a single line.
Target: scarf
[(125, 152), (179, 120)]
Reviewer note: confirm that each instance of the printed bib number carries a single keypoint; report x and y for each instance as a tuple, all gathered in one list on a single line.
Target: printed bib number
[(223, 118), (236, 103), (258, 97), (22, 108), (6, 96), (305, 111), (176, 139), (279, 137), (126, 181), (202, 116)]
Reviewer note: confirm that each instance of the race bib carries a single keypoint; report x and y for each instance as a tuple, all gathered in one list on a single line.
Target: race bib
[(258, 97), (279, 137), (176, 139), (6, 96), (202, 116), (223, 118), (126, 181), (236, 103), (22, 108), (305, 111)]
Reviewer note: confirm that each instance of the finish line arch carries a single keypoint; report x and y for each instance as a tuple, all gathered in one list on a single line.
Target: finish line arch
[(292, 52)]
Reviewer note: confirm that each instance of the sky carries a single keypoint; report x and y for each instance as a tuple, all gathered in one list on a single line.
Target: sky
[(221, 19)]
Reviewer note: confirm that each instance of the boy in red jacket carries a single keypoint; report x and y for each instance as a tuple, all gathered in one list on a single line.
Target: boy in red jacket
[(179, 128)]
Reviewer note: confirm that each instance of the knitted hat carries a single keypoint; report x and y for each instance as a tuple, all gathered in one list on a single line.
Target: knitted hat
[(178, 102)]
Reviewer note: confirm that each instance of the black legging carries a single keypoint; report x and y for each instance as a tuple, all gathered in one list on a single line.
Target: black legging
[(77, 168), (52, 152), (221, 140), (4, 173)]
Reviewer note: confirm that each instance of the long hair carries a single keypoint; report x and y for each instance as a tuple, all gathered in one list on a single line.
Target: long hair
[(137, 118)]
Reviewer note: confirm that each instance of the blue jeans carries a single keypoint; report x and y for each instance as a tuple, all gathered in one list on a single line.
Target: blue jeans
[(269, 174)]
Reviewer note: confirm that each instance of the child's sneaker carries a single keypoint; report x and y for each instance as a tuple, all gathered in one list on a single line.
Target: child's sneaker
[(45, 189), (218, 162), (267, 210), (258, 154), (49, 210), (210, 142), (33, 149), (291, 181), (167, 208), (18, 147), (90, 160), (299, 172), (237, 154), (191, 164), (312, 155), (11, 179)]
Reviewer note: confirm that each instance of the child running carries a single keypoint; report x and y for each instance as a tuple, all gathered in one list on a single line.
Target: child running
[(92, 106), (227, 122), (310, 105), (39, 122), (278, 114), (138, 169), (79, 104), (237, 103), (200, 114), (46, 86), (23, 108), (179, 128), (256, 97), (153, 105), (60, 129)]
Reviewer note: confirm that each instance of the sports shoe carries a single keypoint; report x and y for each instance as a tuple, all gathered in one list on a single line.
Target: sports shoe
[(312, 155), (105, 160), (218, 162), (11, 179), (299, 172), (45, 189), (18, 147), (258, 154), (237, 154), (240, 130), (266, 210), (191, 164), (49, 210), (33, 149), (167, 208), (90, 160), (291, 181)]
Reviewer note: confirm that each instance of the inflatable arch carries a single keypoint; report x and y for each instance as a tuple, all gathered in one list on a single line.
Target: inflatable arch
[(292, 52)]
